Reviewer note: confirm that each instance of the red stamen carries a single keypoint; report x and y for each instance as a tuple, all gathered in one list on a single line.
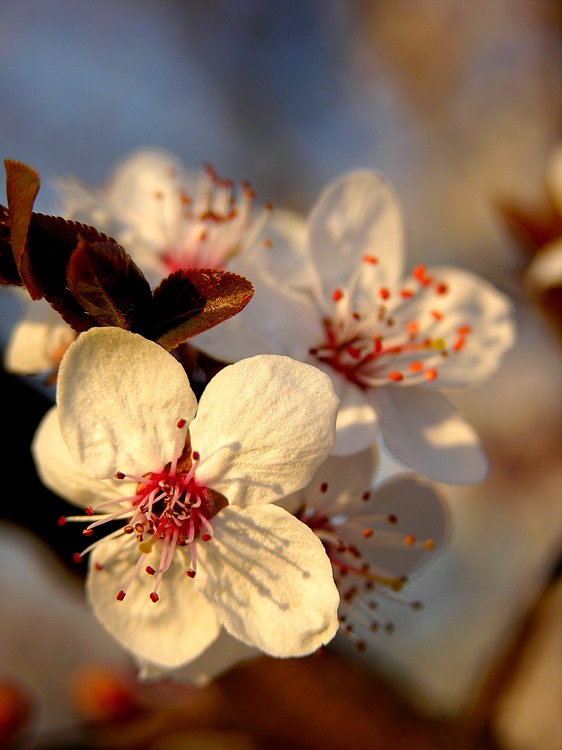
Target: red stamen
[(420, 275)]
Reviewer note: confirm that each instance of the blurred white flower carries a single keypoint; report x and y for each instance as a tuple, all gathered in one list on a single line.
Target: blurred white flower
[(388, 342), (38, 340), (545, 269), (375, 536), (197, 495), (166, 217)]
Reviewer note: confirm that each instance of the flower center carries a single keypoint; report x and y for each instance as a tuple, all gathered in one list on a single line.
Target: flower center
[(360, 582), (169, 509), (215, 225), (400, 341)]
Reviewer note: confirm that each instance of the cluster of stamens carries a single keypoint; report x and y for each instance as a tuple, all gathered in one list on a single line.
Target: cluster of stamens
[(389, 343), (360, 584), (169, 509), (215, 224)]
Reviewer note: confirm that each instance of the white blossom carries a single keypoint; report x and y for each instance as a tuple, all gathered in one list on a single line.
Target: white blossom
[(375, 534), (195, 486), (389, 341)]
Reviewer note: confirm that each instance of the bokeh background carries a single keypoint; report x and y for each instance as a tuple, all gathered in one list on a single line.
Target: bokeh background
[(459, 104)]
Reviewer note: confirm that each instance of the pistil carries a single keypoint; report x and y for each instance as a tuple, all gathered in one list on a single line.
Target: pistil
[(214, 225), (169, 508), (388, 344), (357, 580)]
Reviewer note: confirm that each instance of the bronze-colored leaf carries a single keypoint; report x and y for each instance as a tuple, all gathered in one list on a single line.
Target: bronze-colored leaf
[(193, 300), (22, 186)]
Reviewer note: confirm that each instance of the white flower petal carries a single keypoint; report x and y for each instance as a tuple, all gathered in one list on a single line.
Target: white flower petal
[(545, 270), (418, 510), (469, 302), (62, 473), (145, 193), (221, 655), (232, 340), (37, 341), (422, 429), (287, 320), (357, 215), (269, 580), (343, 481), (80, 202), (168, 633), (120, 397), (357, 425), (284, 256), (554, 176), (263, 427)]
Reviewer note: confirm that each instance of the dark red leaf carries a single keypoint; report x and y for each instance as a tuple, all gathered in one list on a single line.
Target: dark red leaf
[(51, 241), (9, 273), (22, 186), (193, 300), (109, 286)]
